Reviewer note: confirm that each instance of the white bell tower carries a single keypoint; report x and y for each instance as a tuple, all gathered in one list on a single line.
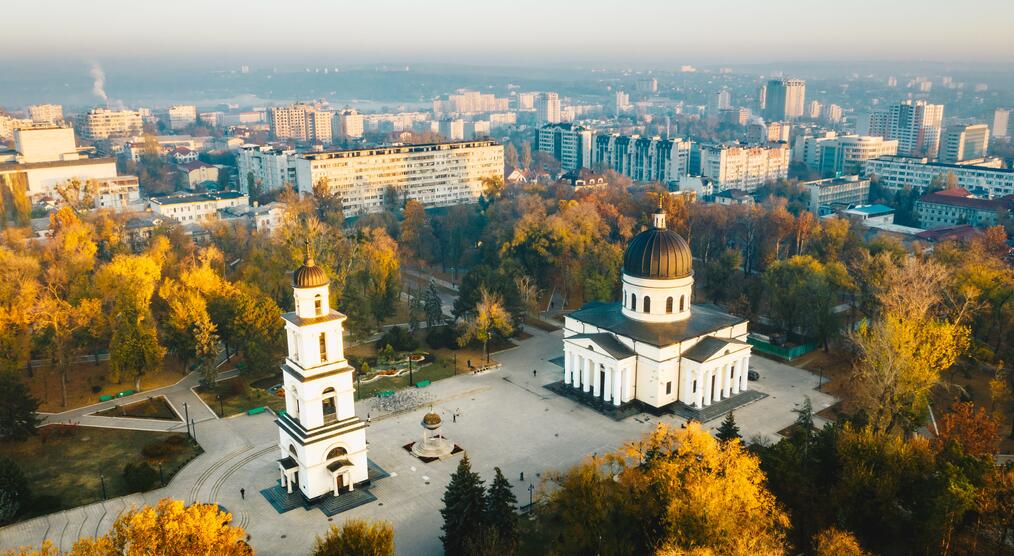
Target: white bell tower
[(322, 442)]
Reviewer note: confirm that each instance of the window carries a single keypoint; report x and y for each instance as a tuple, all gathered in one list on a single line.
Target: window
[(682, 299), (318, 305), (323, 347), (633, 302), (647, 304), (668, 388), (668, 305)]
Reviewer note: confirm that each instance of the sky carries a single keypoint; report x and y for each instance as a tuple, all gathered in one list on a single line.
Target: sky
[(510, 32)]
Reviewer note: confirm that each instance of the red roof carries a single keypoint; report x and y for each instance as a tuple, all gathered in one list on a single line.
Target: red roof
[(961, 232), (960, 198)]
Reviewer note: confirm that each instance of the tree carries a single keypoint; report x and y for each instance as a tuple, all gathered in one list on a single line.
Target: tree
[(464, 509), (356, 537), (835, 542), (255, 326), (526, 155), (492, 187), (134, 350), (14, 489), (728, 430), (18, 417), (490, 319), (433, 306), (501, 514), (170, 527), (416, 231), (974, 429)]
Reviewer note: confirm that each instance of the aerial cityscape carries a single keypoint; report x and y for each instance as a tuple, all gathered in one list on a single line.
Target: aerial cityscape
[(309, 278)]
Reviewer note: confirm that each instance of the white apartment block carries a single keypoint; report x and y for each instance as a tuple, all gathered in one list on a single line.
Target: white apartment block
[(847, 190), (46, 113), (452, 129), (301, 122), (8, 125), (1001, 122), (648, 159), (272, 168), (102, 123), (570, 144), (347, 124), (198, 207), (916, 126), (120, 193), (439, 174), (846, 155), (784, 99), (470, 102), (965, 142), (182, 115), (547, 109), (898, 172), (746, 168), (44, 144), (526, 101)]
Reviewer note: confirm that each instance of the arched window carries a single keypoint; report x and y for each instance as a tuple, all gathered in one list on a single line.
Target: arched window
[(633, 302), (318, 305), (647, 304), (335, 453), (323, 347), (292, 450), (682, 302), (668, 305), (328, 403)]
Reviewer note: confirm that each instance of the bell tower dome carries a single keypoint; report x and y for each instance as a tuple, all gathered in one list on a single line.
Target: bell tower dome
[(658, 274)]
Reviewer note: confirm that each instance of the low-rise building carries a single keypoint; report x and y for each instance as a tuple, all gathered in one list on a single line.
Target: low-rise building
[(183, 155), (734, 197), (953, 207), (870, 215), (899, 172), (843, 191), (198, 172), (195, 208), (120, 193), (182, 115), (40, 179), (744, 167), (270, 168)]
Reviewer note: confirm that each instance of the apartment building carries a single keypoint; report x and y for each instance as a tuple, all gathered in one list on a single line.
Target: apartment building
[(347, 124), (270, 167), (643, 158), (915, 125), (843, 191), (197, 207), (547, 109), (744, 167), (898, 172), (301, 122), (953, 207), (964, 142), (847, 154), (439, 174), (1001, 122), (182, 115), (120, 193), (102, 123), (46, 113), (470, 102), (570, 144), (784, 99)]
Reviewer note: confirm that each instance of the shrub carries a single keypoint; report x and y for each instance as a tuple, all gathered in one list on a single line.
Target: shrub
[(399, 338), (14, 492), (96, 389), (139, 477), (441, 337)]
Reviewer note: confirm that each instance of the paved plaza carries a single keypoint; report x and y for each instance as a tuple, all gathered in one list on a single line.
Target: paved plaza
[(505, 418)]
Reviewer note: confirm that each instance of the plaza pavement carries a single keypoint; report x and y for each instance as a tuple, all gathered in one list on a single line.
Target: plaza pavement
[(505, 418)]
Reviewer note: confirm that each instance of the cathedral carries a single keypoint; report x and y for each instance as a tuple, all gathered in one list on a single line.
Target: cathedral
[(655, 346), (322, 442)]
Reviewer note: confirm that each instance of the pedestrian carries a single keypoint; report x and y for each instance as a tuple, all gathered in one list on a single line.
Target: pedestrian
[(454, 417), (242, 493), (534, 372)]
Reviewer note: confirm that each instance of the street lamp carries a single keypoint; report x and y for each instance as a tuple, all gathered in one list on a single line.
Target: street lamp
[(531, 498), (820, 381), (103, 479), (221, 409), (161, 478), (186, 418), (411, 380)]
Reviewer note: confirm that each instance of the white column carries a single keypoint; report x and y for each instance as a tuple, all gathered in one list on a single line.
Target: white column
[(586, 366), (566, 367), (628, 383), (717, 394), (575, 370), (727, 379), (617, 386), (595, 380), (706, 386), (699, 391), (736, 371), (607, 388), (744, 383)]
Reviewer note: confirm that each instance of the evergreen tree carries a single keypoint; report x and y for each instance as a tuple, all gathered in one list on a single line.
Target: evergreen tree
[(464, 509), (17, 408), (14, 493), (501, 514), (432, 306), (729, 429)]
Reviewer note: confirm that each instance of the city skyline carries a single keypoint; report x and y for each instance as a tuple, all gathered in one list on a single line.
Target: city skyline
[(664, 32)]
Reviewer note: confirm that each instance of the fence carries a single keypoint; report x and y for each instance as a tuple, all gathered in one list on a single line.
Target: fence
[(783, 352)]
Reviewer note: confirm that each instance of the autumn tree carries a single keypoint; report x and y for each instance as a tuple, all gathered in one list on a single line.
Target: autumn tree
[(172, 528), (835, 542), (134, 350), (416, 231), (356, 537), (490, 320), (974, 429)]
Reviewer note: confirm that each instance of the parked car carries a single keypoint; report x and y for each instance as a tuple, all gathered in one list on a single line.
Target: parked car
[(752, 375)]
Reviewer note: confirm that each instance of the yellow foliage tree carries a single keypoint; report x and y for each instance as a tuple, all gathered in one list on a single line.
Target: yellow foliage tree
[(490, 318), (356, 537), (835, 542)]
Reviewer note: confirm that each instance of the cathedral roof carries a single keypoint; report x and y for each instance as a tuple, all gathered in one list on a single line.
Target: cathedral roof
[(704, 320), (710, 345), (658, 253), (615, 348)]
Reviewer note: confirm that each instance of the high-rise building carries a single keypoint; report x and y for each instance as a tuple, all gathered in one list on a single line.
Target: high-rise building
[(647, 85), (347, 124), (46, 113), (526, 101), (1001, 122), (643, 158), (813, 109), (785, 99), (961, 143), (547, 109), (735, 116), (832, 114), (269, 169), (916, 126), (720, 100), (300, 122), (182, 115), (621, 102), (470, 102), (439, 174), (452, 129), (102, 123), (570, 144), (846, 155), (747, 168), (762, 97)]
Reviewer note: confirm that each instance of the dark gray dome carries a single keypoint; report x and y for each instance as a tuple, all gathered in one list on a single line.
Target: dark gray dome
[(658, 254)]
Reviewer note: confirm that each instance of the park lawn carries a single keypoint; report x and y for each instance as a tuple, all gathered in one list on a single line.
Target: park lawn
[(65, 465), (237, 399), (152, 408), (84, 378)]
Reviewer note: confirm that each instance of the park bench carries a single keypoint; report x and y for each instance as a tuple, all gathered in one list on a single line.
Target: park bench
[(422, 384), (256, 410)]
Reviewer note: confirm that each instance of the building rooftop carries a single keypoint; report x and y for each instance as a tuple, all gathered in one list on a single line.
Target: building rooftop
[(958, 197), (958, 233), (704, 319), (55, 164), (196, 198), (871, 210), (925, 162)]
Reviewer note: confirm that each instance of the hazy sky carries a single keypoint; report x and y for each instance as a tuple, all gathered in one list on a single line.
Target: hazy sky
[(511, 32)]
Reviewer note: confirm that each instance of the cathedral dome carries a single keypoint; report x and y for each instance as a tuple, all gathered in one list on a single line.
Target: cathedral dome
[(658, 254), (309, 275)]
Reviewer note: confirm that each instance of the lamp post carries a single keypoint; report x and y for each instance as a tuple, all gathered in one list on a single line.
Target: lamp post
[(820, 381), (411, 380), (455, 363), (531, 498), (161, 478), (186, 419), (193, 425), (102, 478)]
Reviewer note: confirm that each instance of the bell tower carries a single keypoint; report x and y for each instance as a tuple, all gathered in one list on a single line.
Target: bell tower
[(322, 442)]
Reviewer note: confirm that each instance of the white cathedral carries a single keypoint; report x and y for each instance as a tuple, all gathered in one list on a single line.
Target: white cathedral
[(322, 442), (655, 346)]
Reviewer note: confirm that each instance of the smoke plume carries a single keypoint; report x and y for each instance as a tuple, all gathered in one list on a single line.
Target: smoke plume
[(99, 84)]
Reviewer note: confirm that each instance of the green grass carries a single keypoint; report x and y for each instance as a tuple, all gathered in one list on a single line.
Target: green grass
[(63, 463), (442, 367), (152, 408), (239, 399)]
